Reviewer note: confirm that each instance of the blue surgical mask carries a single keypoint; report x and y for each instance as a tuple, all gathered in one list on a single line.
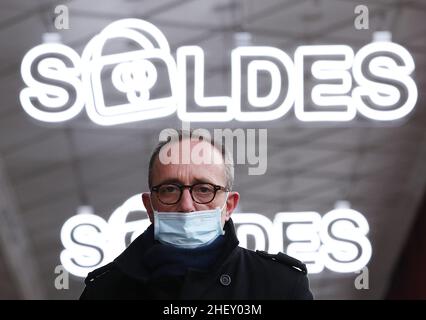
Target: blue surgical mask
[(188, 230)]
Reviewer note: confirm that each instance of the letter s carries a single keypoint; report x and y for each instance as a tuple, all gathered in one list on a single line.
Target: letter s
[(84, 237), (384, 81), (345, 245), (51, 73)]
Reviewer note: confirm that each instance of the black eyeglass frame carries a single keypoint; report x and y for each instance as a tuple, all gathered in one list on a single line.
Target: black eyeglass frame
[(190, 187)]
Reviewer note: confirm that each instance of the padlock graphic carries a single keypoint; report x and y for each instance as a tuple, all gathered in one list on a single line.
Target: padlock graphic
[(126, 86)]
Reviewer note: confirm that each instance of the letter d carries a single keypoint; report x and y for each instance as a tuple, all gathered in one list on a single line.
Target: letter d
[(264, 59)]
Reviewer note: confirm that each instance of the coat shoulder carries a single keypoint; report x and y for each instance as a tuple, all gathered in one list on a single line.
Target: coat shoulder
[(102, 283), (283, 259), (98, 273), (286, 276)]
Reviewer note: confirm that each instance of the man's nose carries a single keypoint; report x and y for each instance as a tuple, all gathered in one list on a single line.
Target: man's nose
[(186, 204)]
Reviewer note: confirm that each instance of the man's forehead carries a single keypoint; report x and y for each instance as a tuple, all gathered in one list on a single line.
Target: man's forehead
[(199, 159), (190, 151)]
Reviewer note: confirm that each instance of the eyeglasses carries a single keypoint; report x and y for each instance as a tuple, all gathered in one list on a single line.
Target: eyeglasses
[(201, 193)]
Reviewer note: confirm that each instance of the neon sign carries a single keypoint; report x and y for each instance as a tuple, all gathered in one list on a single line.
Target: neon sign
[(375, 82), (336, 241)]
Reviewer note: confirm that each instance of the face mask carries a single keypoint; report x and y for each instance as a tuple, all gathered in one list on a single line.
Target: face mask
[(188, 230)]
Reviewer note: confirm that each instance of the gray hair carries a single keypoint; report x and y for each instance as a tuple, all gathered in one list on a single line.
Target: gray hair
[(197, 134)]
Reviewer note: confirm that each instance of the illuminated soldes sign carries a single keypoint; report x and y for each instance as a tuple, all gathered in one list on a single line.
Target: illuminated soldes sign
[(121, 87), (336, 241)]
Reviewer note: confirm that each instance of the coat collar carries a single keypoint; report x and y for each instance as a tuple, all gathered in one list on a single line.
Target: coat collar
[(130, 262)]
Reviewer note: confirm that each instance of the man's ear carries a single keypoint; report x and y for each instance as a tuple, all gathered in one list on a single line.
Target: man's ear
[(231, 204), (146, 199)]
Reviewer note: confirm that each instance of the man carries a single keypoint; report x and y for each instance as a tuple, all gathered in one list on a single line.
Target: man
[(190, 251)]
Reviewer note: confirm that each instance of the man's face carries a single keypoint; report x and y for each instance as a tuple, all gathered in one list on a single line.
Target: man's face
[(209, 168)]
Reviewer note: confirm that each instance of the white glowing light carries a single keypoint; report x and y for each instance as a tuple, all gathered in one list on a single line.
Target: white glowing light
[(120, 227), (254, 68), (197, 53), (324, 95), (382, 94), (50, 96), (256, 225), (339, 252), (85, 209), (262, 64), (243, 39), (51, 37), (382, 36), (134, 76), (303, 232), (91, 242), (85, 241), (245, 231), (131, 70), (337, 241), (126, 80)]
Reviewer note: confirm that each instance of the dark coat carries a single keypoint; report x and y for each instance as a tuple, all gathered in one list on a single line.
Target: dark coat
[(238, 274)]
